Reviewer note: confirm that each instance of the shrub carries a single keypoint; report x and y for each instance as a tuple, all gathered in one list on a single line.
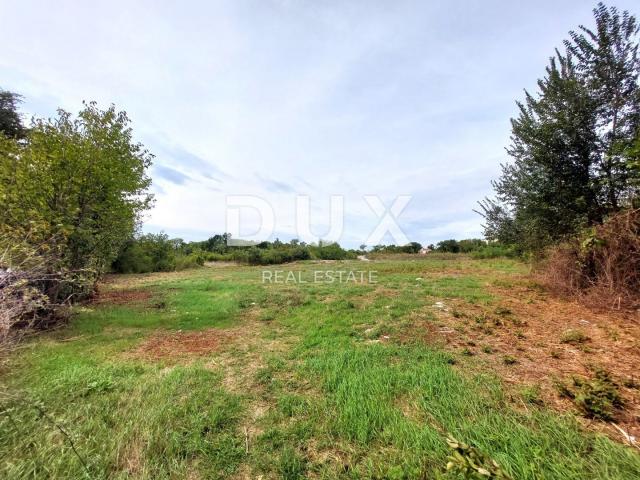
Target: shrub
[(194, 260), (333, 251), (147, 253), (218, 257), (597, 397), (450, 246), (573, 337), (34, 287), (602, 268), (495, 251)]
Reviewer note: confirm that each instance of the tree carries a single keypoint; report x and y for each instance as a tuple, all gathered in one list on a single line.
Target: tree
[(10, 121), (609, 67), (82, 180), (569, 141), (412, 247), (450, 246)]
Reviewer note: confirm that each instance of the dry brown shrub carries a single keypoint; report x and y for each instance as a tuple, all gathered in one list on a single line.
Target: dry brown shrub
[(602, 269), (34, 288)]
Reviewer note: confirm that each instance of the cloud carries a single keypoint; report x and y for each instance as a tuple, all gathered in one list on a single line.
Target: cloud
[(317, 98), (275, 186), (169, 174)]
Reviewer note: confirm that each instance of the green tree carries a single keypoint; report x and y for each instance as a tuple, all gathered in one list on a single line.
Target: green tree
[(449, 246), (10, 121), (569, 141), (609, 67), (81, 180)]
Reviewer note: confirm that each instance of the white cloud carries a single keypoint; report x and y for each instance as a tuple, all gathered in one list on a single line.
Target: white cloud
[(274, 98)]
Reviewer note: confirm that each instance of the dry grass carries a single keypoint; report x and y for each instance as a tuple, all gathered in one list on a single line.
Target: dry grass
[(602, 270), (531, 327)]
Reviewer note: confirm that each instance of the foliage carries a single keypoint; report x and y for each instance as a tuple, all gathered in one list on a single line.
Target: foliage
[(332, 404), (147, 253), (10, 121), (597, 397), (411, 247), (449, 246), (571, 143), (601, 267), (471, 463), (495, 250), (331, 251), (33, 286), (573, 337), (82, 180), (461, 246), (156, 253)]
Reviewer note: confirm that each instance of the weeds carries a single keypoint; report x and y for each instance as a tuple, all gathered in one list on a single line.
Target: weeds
[(471, 463), (597, 397), (574, 337), (509, 360), (312, 398), (531, 394)]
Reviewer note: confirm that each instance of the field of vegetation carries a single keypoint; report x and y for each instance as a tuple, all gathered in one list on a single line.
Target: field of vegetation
[(211, 373)]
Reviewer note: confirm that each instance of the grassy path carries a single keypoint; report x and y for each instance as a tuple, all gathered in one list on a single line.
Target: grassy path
[(212, 374)]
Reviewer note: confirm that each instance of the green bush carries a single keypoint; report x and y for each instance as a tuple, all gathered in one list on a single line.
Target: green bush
[(147, 253), (495, 251), (332, 251), (218, 257), (193, 260), (597, 397)]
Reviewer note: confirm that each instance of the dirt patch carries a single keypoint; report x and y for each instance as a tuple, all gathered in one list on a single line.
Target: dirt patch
[(527, 338), (122, 297), (178, 345)]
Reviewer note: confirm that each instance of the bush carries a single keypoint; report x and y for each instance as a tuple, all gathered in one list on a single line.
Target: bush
[(218, 257), (448, 246), (332, 251), (34, 287), (602, 268), (597, 397), (573, 337), (271, 255), (495, 251), (194, 260), (147, 253)]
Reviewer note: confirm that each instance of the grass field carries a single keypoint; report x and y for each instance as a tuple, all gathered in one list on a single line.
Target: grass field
[(212, 373)]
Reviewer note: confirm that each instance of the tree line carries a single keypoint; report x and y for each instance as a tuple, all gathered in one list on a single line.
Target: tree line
[(575, 144), (570, 196)]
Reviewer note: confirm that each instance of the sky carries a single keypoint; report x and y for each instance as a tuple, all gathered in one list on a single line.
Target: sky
[(294, 101)]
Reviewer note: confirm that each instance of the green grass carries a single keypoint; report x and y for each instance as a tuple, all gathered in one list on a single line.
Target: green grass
[(306, 383)]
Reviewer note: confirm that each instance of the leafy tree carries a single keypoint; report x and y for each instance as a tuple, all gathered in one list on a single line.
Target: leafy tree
[(450, 246), (569, 142), (412, 247), (468, 245), (82, 180), (609, 67), (147, 253), (10, 121)]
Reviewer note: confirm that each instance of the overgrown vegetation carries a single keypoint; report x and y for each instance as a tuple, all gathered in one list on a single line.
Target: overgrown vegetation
[(212, 374), (158, 253), (575, 167), (601, 268), (72, 191), (597, 397)]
